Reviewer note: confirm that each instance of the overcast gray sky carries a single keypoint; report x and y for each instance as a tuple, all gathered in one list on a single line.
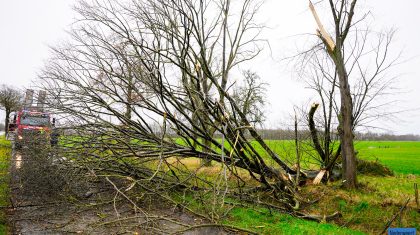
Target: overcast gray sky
[(28, 27)]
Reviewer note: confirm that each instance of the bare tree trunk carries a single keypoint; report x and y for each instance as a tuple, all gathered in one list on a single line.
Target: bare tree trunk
[(206, 161), (6, 122), (314, 134), (297, 152), (129, 101), (130, 85), (342, 27), (345, 127), (10, 100)]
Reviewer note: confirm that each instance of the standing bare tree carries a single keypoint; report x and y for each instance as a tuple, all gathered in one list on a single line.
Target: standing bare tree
[(342, 12), (360, 54), (10, 100), (250, 96), (371, 88)]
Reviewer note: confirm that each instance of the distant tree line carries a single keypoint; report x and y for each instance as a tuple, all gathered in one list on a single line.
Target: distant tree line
[(288, 134), (389, 137)]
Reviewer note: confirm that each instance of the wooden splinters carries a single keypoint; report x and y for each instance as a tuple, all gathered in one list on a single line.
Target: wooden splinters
[(321, 31)]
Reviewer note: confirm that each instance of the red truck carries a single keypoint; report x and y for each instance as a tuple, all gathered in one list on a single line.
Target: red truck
[(32, 125)]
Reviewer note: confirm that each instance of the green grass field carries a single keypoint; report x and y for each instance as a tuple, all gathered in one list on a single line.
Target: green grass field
[(5, 154), (401, 156)]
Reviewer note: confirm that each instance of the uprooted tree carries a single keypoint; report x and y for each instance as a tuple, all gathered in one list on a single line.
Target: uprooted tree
[(144, 86)]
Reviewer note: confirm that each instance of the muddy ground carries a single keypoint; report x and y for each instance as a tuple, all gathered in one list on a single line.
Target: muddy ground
[(39, 206)]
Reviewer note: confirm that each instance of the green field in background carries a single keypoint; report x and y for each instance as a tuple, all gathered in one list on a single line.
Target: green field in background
[(401, 156)]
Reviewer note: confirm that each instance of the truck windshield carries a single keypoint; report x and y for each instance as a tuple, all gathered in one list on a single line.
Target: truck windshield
[(41, 120)]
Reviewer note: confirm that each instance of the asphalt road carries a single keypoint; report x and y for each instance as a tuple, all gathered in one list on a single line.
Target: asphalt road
[(41, 207)]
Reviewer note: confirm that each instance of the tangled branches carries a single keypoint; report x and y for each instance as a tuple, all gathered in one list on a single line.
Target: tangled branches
[(143, 89)]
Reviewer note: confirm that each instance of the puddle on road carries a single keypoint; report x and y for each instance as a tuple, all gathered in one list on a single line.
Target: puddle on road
[(18, 160)]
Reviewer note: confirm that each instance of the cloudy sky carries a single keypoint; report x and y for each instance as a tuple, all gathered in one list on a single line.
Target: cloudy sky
[(29, 27)]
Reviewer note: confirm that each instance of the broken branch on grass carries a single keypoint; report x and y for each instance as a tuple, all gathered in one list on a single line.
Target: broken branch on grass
[(416, 196), (224, 226), (395, 216)]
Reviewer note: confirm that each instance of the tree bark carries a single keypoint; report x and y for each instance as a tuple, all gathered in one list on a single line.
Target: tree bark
[(345, 127), (6, 122), (314, 134), (206, 161)]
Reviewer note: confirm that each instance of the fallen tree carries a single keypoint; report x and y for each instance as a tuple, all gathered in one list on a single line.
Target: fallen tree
[(145, 85)]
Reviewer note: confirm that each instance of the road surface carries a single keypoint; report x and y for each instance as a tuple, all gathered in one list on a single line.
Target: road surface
[(41, 205)]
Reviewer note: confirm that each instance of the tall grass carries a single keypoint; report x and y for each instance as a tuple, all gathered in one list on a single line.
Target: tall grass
[(5, 154)]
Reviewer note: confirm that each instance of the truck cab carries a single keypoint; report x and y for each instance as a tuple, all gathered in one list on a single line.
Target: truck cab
[(31, 127), (32, 124)]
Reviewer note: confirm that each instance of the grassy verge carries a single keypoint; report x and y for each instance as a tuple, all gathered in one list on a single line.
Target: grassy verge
[(369, 207), (4, 181), (258, 219), (262, 221), (365, 210)]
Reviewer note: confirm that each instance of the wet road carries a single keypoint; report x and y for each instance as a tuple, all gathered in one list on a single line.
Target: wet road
[(41, 206)]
